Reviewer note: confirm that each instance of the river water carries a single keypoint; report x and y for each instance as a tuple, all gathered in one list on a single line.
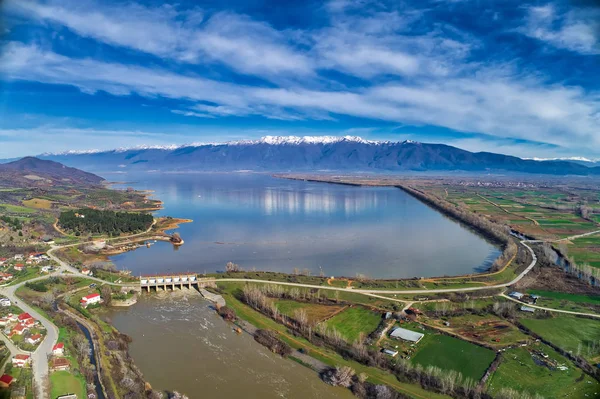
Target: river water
[(181, 344), (274, 224)]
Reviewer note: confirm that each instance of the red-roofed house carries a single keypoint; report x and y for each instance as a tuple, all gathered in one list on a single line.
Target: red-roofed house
[(34, 339), (58, 349), (60, 363), (28, 323), (19, 267), (3, 261), (5, 381), (20, 360), (24, 316), (5, 276), (19, 329), (90, 299), (87, 272)]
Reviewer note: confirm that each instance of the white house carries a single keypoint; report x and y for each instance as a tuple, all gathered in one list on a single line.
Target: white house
[(20, 360), (5, 302), (58, 349), (34, 339), (90, 299)]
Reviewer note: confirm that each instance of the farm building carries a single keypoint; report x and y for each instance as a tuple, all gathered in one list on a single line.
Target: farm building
[(390, 352), (407, 335), (527, 309), (516, 295)]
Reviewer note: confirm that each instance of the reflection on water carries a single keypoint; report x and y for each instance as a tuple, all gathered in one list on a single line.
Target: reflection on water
[(274, 224), (181, 344)]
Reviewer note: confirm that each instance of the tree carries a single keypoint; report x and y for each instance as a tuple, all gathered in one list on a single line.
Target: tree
[(106, 293), (339, 376), (232, 267)]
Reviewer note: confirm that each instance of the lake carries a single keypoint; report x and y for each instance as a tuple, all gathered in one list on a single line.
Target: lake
[(265, 223)]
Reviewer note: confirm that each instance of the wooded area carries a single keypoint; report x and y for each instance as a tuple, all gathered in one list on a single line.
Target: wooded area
[(104, 222)]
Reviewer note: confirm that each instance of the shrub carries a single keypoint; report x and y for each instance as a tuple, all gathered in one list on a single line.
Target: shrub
[(270, 340)]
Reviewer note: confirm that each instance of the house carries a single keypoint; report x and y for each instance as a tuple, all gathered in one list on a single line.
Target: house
[(5, 276), (12, 317), (516, 295), (90, 299), (4, 321), (46, 269), (21, 360), (19, 329), (390, 352), (19, 267), (5, 302), (69, 396), (3, 261), (6, 380), (527, 309), (29, 322), (58, 349), (406, 335), (34, 339), (60, 364), (24, 316), (19, 257), (388, 315), (86, 271)]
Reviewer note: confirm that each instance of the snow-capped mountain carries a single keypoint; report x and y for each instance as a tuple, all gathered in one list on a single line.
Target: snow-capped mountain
[(293, 153)]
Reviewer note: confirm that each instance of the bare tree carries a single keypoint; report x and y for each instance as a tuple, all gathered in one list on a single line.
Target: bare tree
[(339, 376), (232, 267), (106, 293)]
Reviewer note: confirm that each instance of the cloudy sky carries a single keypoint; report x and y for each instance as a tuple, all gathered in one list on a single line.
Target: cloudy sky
[(513, 77)]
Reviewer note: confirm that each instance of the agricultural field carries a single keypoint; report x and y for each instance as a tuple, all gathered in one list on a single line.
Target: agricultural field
[(354, 321), (564, 301), (314, 311), (486, 329), (575, 334), (526, 369), (585, 250), (450, 353)]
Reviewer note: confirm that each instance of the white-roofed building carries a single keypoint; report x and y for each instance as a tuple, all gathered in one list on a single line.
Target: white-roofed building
[(407, 335)]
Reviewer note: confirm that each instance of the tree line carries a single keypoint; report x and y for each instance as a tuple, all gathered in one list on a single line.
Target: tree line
[(93, 221)]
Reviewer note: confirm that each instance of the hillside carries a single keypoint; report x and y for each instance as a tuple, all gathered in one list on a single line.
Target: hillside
[(31, 171), (314, 153)]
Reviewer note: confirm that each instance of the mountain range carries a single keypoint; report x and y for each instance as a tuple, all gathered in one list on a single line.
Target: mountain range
[(313, 153), (31, 171)]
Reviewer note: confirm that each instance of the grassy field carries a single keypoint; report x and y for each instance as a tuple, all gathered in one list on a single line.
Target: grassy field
[(329, 357), (591, 299), (450, 353), (63, 383), (38, 203), (354, 321), (519, 371), (570, 333), (314, 311)]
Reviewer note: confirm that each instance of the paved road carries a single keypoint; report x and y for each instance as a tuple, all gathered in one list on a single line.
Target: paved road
[(596, 316), (372, 291), (40, 356), (40, 363)]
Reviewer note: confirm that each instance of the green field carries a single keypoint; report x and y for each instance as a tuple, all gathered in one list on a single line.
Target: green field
[(63, 383), (570, 333), (354, 321), (519, 372), (450, 353), (592, 299), (314, 311)]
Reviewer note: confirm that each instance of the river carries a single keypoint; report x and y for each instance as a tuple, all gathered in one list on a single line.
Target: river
[(265, 223), (181, 344)]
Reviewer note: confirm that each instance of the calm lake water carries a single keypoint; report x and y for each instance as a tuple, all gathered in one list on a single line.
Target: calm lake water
[(181, 344), (274, 224)]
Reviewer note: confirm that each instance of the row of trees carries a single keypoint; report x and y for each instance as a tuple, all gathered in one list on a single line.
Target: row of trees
[(432, 378), (104, 222)]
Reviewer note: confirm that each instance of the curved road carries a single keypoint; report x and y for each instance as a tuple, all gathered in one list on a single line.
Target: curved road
[(40, 356)]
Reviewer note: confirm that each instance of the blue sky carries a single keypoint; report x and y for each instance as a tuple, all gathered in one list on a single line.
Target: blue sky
[(512, 77)]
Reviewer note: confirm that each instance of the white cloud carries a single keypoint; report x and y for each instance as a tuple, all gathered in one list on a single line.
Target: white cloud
[(575, 30)]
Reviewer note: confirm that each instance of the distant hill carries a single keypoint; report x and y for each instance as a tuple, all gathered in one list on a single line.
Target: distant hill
[(314, 153), (34, 171)]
